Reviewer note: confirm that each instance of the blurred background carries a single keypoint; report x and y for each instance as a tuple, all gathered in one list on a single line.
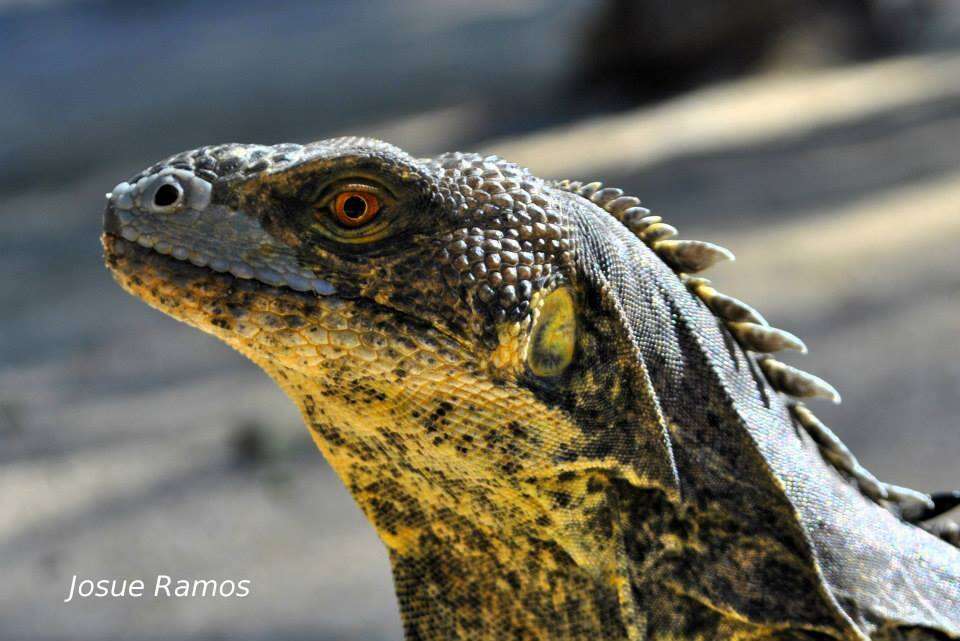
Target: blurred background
[(818, 139)]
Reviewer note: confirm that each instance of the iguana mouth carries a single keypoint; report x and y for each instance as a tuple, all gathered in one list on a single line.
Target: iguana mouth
[(133, 262), (114, 226), (223, 297)]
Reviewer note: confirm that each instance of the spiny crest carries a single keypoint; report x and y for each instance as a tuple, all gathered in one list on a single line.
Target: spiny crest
[(749, 328)]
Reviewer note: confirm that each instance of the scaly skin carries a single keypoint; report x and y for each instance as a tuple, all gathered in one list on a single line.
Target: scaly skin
[(553, 437)]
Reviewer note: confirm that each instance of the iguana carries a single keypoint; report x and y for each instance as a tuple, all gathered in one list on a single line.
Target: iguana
[(556, 428)]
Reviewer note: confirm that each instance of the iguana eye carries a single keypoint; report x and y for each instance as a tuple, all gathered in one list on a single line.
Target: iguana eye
[(355, 211), (354, 208)]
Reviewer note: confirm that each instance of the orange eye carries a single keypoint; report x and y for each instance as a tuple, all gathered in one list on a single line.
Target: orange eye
[(355, 208)]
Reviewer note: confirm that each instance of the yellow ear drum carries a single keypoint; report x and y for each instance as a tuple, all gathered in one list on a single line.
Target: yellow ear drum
[(554, 337)]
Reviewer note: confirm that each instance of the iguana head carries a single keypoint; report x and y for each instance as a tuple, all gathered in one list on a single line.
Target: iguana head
[(424, 313), (360, 237)]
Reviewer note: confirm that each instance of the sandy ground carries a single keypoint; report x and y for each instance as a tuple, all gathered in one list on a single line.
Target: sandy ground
[(118, 425)]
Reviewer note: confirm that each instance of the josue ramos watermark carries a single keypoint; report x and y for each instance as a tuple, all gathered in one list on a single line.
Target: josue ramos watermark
[(163, 586)]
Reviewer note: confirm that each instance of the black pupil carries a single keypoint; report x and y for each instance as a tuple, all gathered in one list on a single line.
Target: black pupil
[(355, 207), (166, 195)]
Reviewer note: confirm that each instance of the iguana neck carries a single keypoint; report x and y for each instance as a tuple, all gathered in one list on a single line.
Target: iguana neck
[(530, 587), (475, 554)]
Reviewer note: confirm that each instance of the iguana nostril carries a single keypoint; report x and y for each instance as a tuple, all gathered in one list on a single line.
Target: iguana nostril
[(165, 192), (166, 195)]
